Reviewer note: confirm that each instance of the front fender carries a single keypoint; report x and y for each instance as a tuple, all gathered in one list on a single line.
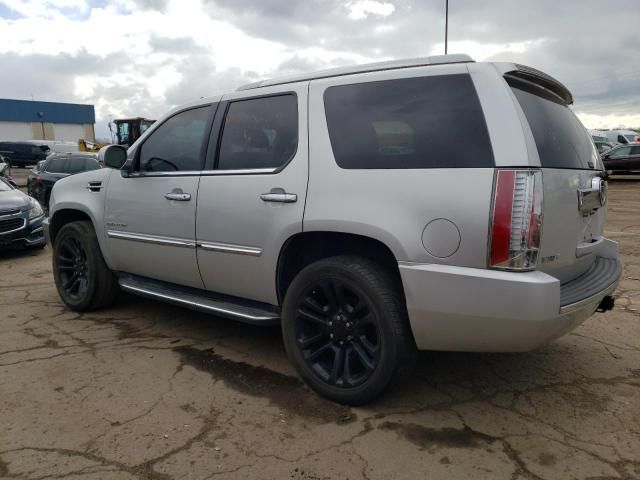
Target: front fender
[(73, 194)]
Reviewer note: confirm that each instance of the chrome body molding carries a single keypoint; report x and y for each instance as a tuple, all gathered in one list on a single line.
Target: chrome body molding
[(228, 248), (202, 173), (158, 240), (186, 243)]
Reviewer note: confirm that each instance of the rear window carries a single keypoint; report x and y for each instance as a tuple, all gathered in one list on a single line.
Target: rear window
[(561, 139), (56, 165), (425, 122)]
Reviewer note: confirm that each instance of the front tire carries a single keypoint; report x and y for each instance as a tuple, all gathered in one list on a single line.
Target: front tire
[(83, 280), (345, 329)]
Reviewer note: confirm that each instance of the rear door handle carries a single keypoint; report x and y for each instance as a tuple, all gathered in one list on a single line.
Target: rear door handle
[(178, 197), (279, 197)]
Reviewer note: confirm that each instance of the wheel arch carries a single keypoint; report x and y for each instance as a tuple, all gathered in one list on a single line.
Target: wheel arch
[(305, 248)]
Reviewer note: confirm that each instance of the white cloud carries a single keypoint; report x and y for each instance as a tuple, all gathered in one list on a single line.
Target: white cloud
[(592, 120), (361, 9), (480, 51)]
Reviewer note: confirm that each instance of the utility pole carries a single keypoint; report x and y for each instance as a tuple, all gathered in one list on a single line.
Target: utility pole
[(446, 26)]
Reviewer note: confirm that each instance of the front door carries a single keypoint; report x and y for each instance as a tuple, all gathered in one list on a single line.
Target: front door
[(251, 198), (150, 213)]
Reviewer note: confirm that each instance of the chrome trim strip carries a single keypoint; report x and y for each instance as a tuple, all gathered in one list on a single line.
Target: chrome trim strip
[(228, 248), (198, 305), (572, 307), (246, 171), (203, 173), (24, 224), (36, 230), (143, 238)]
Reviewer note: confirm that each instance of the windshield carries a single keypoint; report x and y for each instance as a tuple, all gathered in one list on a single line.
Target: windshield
[(631, 138)]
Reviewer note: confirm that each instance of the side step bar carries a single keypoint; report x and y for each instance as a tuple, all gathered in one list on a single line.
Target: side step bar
[(221, 305)]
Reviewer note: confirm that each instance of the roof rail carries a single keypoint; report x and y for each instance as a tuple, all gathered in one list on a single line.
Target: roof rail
[(368, 67)]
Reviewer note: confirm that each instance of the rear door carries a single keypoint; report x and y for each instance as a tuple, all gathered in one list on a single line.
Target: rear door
[(571, 237), (251, 197)]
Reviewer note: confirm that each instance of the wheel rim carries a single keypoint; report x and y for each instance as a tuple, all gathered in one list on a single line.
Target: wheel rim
[(337, 334), (72, 268)]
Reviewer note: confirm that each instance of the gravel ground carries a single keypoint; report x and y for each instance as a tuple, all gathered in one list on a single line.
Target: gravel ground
[(146, 390)]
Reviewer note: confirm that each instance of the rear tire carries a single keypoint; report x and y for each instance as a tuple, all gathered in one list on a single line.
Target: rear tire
[(83, 280), (345, 329)]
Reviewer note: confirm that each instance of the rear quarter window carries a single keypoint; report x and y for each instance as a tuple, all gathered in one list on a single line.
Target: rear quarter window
[(424, 122), (561, 140)]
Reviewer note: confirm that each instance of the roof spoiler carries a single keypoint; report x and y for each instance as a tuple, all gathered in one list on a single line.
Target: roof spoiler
[(541, 79)]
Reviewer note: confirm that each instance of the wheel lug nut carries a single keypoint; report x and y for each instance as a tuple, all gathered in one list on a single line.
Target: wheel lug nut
[(331, 324), (331, 335), (341, 342)]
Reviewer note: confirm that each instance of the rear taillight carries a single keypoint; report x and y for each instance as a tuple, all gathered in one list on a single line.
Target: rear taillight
[(38, 179), (516, 220)]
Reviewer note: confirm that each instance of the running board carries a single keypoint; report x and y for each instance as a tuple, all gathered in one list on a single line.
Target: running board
[(221, 305)]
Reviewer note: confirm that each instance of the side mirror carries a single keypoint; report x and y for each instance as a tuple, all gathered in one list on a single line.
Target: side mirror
[(112, 156)]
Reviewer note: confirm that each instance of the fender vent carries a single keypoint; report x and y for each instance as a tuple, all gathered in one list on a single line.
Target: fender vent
[(94, 186)]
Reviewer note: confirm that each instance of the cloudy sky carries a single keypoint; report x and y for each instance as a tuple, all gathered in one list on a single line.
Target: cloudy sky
[(141, 57)]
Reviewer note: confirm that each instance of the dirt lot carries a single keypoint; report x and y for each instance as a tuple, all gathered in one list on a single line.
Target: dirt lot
[(146, 390)]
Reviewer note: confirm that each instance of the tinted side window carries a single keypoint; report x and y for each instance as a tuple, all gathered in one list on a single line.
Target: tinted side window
[(561, 139), (635, 150), (427, 122), (176, 144), (56, 165), (621, 152), (259, 133)]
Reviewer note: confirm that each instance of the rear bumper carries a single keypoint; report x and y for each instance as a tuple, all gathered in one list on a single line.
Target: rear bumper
[(469, 309)]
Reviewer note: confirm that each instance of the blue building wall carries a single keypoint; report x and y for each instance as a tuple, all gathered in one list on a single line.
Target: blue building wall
[(48, 112)]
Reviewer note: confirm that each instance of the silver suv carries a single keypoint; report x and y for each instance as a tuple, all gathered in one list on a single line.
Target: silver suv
[(436, 203)]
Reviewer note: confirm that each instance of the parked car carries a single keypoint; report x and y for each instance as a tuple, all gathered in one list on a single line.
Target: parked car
[(603, 146), (47, 173), (622, 136), (5, 168), (623, 159), (336, 204), (21, 154), (20, 218), (31, 179)]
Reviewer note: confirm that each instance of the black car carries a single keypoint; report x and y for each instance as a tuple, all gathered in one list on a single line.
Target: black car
[(603, 146), (623, 159), (20, 218), (22, 154), (44, 176)]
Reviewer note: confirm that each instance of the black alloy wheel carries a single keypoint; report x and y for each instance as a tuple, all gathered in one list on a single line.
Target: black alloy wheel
[(82, 277), (345, 328), (337, 333), (72, 268)]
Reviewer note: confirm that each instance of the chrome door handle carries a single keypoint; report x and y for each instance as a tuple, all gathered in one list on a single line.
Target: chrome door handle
[(178, 197), (279, 197)]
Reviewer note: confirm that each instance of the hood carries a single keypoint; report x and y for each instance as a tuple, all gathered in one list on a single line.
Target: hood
[(14, 199)]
